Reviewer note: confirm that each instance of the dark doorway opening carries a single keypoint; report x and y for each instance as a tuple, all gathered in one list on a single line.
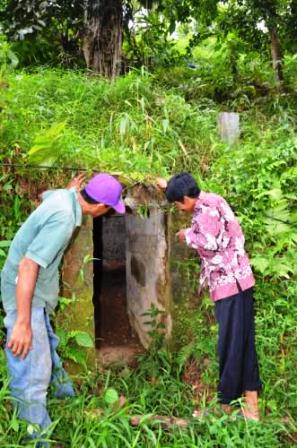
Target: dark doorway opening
[(113, 334)]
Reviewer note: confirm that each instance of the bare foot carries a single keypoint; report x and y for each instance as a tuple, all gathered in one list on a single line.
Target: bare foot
[(250, 411), (227, 409), (198, 413)]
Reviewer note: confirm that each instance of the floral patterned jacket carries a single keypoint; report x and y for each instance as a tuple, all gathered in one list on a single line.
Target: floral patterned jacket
[(217, 236)]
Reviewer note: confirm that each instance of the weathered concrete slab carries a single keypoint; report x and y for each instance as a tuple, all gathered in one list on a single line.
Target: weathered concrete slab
[(228, 126), (114, 238), (147, 270), (77, 283)]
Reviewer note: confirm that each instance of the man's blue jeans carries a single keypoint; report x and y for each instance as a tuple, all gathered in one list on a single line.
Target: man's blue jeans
[(30, 377)]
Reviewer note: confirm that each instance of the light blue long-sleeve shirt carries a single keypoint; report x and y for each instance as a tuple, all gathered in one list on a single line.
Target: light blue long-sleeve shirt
[(43, 238)]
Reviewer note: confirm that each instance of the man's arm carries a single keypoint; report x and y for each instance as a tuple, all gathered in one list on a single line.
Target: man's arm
[(21, 338)]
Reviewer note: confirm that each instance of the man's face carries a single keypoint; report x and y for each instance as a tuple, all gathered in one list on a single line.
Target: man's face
[(187, 206), (98, 210)]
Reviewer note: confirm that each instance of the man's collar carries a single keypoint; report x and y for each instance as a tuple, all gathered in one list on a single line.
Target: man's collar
[(77, 207)]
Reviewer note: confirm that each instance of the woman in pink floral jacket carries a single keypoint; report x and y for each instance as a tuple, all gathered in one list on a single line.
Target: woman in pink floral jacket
[(217, 236)]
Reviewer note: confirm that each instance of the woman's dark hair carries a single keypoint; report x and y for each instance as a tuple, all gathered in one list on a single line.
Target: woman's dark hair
[(88, 198), (181, 185)]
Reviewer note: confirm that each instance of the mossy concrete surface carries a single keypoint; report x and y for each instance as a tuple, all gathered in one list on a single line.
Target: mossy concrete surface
[(77, 283)]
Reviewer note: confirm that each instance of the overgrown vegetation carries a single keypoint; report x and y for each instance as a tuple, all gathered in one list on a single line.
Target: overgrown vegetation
[(140, 126)]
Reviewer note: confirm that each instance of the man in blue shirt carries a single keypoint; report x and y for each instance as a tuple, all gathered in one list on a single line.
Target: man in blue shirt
[(30, 286)]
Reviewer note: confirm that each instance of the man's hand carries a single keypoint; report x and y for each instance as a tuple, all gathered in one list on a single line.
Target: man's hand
[(77, 181), (20, 342), (181, 235)]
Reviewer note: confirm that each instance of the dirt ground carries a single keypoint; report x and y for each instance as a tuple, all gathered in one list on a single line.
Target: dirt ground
[(118, 342)]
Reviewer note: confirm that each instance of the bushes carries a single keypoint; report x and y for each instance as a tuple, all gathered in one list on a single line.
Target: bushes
[(229, 73), (129, 126)]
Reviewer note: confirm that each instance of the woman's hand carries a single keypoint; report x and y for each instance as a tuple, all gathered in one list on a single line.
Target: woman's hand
[(161, 183), (181, 235)]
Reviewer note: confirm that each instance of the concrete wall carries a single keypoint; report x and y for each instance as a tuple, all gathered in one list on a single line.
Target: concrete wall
[(77, 283), (114, 238), (147, 270)]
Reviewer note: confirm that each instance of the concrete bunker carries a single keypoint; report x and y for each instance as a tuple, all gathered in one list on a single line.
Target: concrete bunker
[(125, 262)]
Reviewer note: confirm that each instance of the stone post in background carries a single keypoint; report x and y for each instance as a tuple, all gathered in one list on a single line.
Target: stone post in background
[(228, 126)]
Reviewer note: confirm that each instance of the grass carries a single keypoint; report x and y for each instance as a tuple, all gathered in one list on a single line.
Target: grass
[(89, 420), (129, 127)]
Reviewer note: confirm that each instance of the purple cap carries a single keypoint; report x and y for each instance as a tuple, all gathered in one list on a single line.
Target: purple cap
[(105, 189)]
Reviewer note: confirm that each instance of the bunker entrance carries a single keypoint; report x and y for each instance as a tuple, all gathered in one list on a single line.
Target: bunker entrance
[(128, 280), (115, 339)]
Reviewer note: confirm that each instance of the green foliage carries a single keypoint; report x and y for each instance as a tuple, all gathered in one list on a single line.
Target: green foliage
[(15, 205), (44, 32), (71, 344), (97, 418), (47, 147), (4, 245), (261, 182), (155, 328), (8, 58), (129, 126), (225, 71), (53, 33), (149, 42), (111, 396)]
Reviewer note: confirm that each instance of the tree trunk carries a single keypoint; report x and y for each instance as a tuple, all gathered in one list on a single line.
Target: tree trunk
[(102, 42), (276, 58)]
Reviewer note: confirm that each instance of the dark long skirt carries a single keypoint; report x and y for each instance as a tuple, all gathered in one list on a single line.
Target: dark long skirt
[(239, 370)]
